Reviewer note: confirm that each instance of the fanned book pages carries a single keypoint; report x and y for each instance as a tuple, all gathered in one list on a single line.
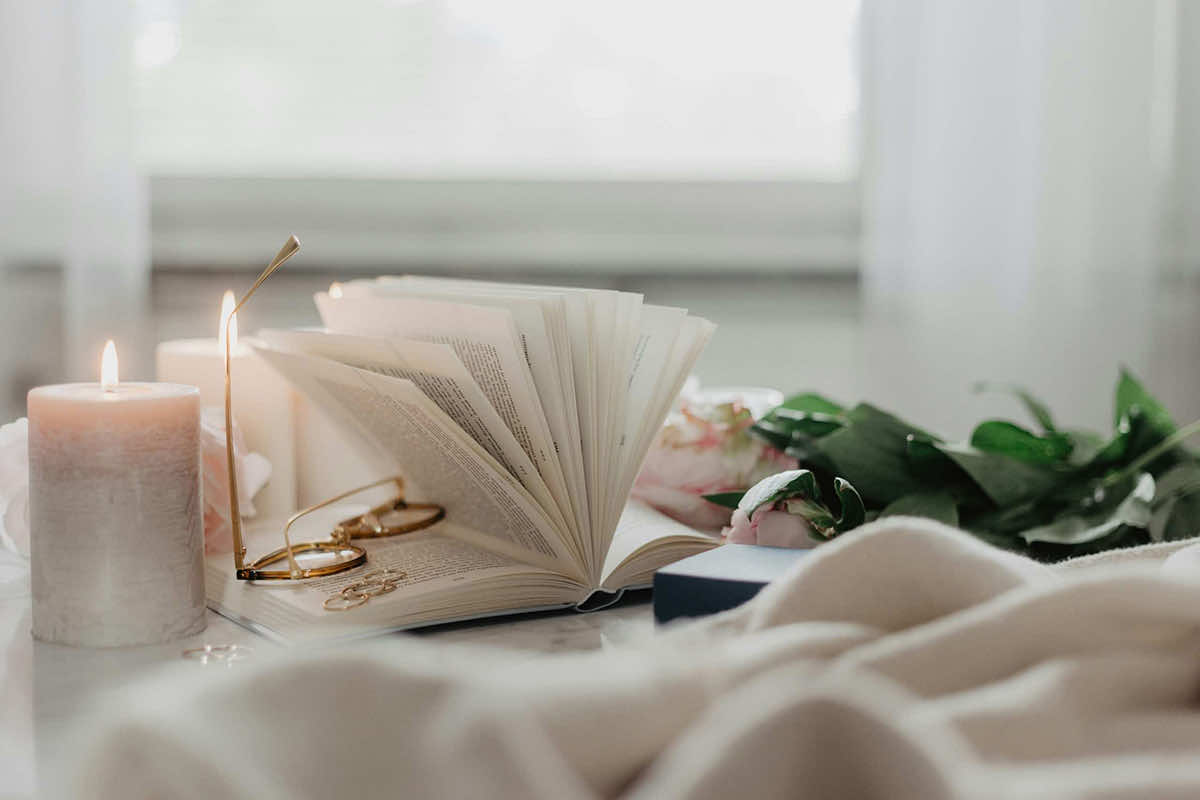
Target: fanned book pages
[(525, 411)]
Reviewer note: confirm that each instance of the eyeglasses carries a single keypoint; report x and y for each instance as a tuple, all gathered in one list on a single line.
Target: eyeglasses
[(338, 553)]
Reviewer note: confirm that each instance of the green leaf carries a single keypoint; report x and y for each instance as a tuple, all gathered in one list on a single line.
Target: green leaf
[(1133, 428), (871, 453), (1183, 521), (994, 492), (936, 470), (810, 423), (1002, 541), (1085, 445), (809, 414), (818, 515), (1122, 536), (934, 504), (1082, 527), (1007, 439), (1036, 408), (725, 499), (1047, 491), (1158, 455), (1130, 394), (1182, 478), (854, 513), (1006, 481), (782, 485), (812, 403), (1176, 503), (792, 442), (1008, 521), (775, 435), (1138, 446), (815, 514), (807, 451)]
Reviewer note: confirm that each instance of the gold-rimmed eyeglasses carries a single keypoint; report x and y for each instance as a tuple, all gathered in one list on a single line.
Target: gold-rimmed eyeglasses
[(338, 553)]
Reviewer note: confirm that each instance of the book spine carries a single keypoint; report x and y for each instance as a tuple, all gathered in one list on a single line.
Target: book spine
[(678, 596), (598, 599)]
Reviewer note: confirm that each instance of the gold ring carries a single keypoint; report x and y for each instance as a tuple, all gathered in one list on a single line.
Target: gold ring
[(343, 601)]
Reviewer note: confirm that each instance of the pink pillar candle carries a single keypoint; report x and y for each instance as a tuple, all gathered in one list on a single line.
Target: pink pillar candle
[(262, 408), (116, 530)]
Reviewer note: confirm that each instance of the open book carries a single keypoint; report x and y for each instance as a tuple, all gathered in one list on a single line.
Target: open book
[(525, 411)]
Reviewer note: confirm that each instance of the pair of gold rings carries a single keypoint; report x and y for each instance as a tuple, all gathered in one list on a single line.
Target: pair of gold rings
[(373, 584), (224, 653)]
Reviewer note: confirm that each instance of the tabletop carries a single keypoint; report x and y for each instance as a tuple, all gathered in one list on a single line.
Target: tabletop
[(45, 689)]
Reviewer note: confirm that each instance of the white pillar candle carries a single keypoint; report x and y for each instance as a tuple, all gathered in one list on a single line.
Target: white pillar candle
[(262, 405), (116, 527), (325, 464)]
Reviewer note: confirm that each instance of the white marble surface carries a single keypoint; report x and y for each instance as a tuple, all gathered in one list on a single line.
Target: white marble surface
[(45, 689)]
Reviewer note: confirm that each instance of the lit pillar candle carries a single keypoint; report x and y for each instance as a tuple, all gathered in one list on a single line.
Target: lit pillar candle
[(262, 403), (116, 532), (325, 465)]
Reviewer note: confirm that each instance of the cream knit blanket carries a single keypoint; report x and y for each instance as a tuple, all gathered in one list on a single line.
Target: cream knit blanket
[(903, 660)]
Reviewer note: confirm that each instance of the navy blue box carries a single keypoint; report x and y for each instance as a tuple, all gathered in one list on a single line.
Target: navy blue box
[(718, 579)]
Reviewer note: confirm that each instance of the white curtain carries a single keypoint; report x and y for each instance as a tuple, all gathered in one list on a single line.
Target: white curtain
[(1016, 144), (70, 192), (1025, 180), (1183, 232)]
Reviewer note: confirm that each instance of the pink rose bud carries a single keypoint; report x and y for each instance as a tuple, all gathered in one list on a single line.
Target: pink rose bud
[(770, 528)]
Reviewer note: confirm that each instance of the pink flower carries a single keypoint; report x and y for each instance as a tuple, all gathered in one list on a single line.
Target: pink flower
[(705, 448), (686, 506), (14, 487), (253, 471), (770, 527)]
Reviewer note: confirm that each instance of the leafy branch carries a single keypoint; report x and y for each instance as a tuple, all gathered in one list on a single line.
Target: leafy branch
[(1052, 493)]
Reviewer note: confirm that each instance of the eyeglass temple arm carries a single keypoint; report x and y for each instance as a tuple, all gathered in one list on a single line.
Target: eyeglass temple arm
[(396, 479), (289, 249)]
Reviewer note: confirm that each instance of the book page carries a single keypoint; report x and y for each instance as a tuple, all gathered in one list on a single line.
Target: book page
[(444, 577), (425, 444), (436, 371), (602, 328), (485, 341), (670, 344), (430, 561), (660, 327), (530, 316), (541, 322), (634, 358), (615, 356), (645, 540)]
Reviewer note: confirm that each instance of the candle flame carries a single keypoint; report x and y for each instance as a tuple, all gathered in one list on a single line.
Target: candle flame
[(108, 367), (335, 290), (227, 304)]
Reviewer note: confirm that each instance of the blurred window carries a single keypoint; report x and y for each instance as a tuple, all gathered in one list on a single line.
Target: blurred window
[(612, 90)]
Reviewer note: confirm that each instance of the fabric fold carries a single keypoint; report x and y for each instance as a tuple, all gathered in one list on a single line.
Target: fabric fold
[(906, 659)]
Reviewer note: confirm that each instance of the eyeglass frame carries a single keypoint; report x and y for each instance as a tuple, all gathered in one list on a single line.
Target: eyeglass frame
[(367, 525)]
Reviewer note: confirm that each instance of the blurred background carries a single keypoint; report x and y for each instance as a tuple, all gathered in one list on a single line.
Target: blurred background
[(874, 199)]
